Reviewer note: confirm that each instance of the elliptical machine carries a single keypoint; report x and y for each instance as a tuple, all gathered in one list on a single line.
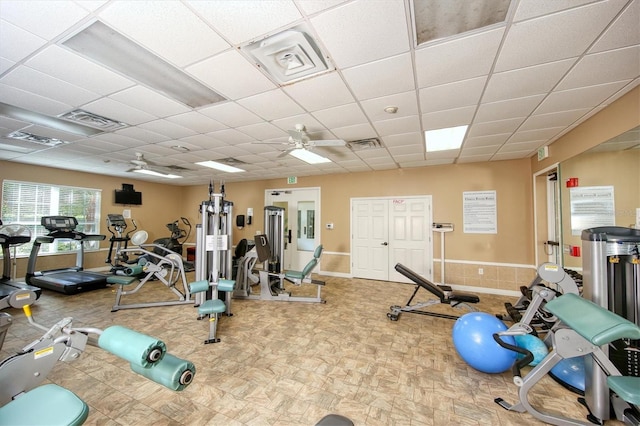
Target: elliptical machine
[(116, 225), (176, 240)]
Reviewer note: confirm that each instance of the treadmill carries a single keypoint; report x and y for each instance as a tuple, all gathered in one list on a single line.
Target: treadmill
[(12, 235), (70, 280)]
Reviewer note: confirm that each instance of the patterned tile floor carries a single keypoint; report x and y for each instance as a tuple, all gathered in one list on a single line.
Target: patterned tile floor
[(285, 363)]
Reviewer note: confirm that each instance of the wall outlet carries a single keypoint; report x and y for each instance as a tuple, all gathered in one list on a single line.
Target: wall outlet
[(480, 271)]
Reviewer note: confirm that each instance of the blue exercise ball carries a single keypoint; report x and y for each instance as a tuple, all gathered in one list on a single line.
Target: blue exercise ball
[(534, 345), (473, 340), (570, 373)]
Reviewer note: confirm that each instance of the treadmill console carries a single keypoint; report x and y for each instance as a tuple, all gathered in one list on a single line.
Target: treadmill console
[(59, 223)]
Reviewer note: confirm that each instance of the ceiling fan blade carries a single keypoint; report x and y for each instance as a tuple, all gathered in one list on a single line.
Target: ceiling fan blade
[(286, 152), (328, 142)]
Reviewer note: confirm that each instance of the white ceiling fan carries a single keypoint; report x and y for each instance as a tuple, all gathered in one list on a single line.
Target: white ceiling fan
[(142, 165), (300, 139)]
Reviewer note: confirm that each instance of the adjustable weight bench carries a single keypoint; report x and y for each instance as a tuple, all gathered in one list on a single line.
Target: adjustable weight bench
[(445, 295)]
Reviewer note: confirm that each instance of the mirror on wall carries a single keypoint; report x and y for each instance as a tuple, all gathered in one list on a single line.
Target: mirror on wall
[(600, 187)]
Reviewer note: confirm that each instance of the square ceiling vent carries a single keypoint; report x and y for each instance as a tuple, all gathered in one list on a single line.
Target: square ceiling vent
[(288, 56), (93, 120), (41, 140)]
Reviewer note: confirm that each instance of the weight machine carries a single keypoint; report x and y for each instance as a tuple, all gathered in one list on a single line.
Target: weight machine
[(214, 287)]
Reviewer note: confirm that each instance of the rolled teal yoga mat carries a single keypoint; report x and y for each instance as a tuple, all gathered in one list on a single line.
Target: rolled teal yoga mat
[(172, 372), (137, 348)]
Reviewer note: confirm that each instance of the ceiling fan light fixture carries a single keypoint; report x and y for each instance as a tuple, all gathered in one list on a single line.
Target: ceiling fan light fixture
[(308, 156), (287, 56), (157, 174)]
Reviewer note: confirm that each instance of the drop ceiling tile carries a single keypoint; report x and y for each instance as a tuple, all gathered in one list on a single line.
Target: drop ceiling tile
[(141, 134), (534, 135), (17, 43), (263, 131), (459, 59), (521, 146), (5, 64), (144, 99), (516, 155), (448, 118), (118, 111), (528, 81), (11, 124), (231, 75), (231, 136), (380, 78), (45, 19), (556, 119), (623, 32), (578, 98), (310, 7), (404, 151), (271, 105), (398, 125), (321, 92), (494, 127), (52, 133), (553, 37), (341, 116), (474, 158), (120, 142), (196, 122), (375, 30), (230, 114), (356, 132), (309, 121), (33, 81), (167, 28), (533, 9), (30, 101), (203, 142), (64, 65), (609, 66), (452, 95), (167, 128), (513, 108), (483, 141), (479, 150), (413, 139), (242, 20), (406, 103)]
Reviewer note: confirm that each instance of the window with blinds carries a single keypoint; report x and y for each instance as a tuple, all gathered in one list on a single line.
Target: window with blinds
[(25, 203)]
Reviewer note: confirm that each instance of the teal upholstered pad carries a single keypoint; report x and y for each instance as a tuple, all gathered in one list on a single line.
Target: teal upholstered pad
[(49, 404), (198, 286), (209, 307), (627, 387), (296, 275), (594, 323), (226, 285), (120, 279)]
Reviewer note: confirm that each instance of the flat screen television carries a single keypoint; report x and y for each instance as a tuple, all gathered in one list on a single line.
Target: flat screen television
[(127, 195)]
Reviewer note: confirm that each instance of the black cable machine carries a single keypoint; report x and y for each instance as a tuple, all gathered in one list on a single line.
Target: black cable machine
[(12, 235), (70, 280)]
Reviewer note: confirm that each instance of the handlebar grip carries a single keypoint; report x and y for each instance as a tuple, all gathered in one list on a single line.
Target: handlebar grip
[(528, 356)]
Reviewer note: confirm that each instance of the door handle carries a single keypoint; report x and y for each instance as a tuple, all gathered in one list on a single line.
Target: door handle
[(385, 243), (289, 237)]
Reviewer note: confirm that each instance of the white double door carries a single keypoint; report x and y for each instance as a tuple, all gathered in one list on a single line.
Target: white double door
[(386, 231)]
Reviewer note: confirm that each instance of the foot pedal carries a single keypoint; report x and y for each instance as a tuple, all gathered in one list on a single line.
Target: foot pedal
[(593, 419), (515, 314)]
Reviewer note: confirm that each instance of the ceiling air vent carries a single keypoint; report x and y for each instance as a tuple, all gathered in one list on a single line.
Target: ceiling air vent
[(370, 143), (42, 140), (93, 120), (290, 55), (231, 161)]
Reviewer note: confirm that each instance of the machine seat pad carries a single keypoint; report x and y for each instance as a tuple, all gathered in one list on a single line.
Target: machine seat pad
[(209, 307), (226, 285), (594, 323), (121, 279), (47, 404), (460, 296), (294, 275), (627, 387)]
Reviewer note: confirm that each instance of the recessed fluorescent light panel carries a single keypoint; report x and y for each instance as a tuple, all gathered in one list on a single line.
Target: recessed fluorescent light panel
[(290, 55), (444, 139), (93, 120), (106, 46), (158, 174), (220, 166), (308, 156), (437, 19)]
